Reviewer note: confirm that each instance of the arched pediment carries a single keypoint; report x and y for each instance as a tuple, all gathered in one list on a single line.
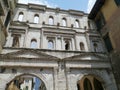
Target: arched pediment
[(88, 56), (29, 54)]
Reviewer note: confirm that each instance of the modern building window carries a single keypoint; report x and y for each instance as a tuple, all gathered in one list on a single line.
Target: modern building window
[(67, 45), (36, 18), (33, 43), (64, 22), (117, 2), (87, 84), (77, 24), (51, 20), (15, 41), (50, 44), (82, 47), (108, 43), (20, 17)]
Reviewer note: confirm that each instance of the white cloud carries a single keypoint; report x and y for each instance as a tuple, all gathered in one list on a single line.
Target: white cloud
[(90, 5), (41, 2)]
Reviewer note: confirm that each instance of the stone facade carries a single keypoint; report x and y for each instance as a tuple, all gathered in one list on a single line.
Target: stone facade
[(58, 46)]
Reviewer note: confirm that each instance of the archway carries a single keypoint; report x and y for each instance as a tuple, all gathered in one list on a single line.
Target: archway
[(26, 82), (90, 82)]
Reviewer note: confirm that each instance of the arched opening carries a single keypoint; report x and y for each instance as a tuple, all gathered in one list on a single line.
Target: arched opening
[(36, 18), (90, 82), (33, 43), (51, 20), (20, 17), (97, 85), (82, 48), (64, 22), (26, 82), (67, 45), (15, 42), (50, 44), (77, 24), (87, 84)]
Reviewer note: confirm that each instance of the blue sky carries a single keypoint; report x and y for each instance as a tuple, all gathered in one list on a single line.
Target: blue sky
[(82, 5)]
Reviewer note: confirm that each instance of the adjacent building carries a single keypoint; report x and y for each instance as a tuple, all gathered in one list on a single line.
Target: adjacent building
[(6, 11), (61, 47), (106, 14)]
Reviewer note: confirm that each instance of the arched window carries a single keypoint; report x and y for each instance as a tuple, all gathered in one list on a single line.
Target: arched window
[(82, 46), (15, 41), (87, 84), (51, 20), (67, 45), (36, 18), (50, 44), (20, 17), (95, 47), (97, 85), (77, 24), (64, 22), (33, 43)]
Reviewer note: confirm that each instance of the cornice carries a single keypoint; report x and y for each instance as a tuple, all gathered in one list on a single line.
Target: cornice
[(56, 10)]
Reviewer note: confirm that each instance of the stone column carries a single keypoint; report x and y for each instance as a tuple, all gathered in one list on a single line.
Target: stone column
[(73, 44), (55, 78), (62, 48), (9, 41), (76, 43), (41, 39), (22, 41), (55, 43), (62, 76), (88, 41)]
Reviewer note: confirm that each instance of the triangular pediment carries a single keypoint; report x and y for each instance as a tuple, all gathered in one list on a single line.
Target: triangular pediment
[(88, 56), (29, 54)]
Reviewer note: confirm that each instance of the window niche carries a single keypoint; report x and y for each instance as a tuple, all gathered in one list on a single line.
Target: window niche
[(50, 44), (16, 42), (20, 16), (95, 46), (33, 43), (51, 20), (14, 70), (67, 45), (82, 47), (36, 18), (2, 69), (77, 23), (64, 22)]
